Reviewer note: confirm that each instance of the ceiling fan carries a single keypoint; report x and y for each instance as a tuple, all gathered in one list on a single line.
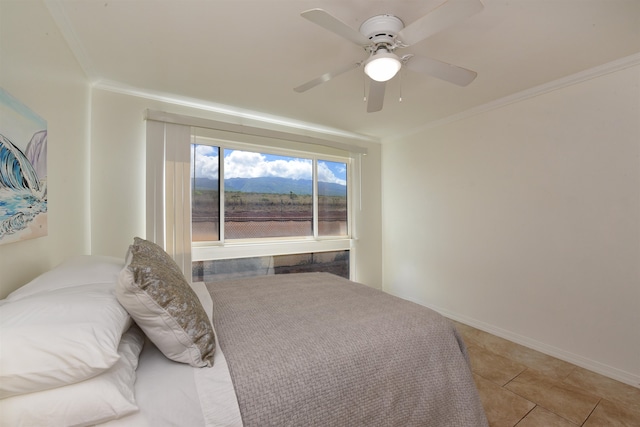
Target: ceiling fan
[(381, 35)]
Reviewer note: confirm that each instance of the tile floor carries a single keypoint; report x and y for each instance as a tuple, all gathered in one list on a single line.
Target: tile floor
[(525, 388)]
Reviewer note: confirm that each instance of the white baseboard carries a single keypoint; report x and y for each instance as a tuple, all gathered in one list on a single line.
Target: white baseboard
[(575, 359)]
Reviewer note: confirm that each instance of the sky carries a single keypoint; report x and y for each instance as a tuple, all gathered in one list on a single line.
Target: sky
[(246, 164)]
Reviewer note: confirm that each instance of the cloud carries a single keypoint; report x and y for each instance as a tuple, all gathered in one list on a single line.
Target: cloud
[(206, 164), (326, 175), (247, 164)]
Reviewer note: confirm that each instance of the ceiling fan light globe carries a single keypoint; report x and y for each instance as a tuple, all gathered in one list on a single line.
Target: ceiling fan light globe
[(382, 68)]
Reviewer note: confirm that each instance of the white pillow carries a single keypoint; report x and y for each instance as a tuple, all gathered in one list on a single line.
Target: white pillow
[(79, 270), (154, 291), (105, 397), (59, 337)]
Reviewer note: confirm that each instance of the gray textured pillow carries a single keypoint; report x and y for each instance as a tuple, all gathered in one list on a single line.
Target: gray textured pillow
[(155, 293)]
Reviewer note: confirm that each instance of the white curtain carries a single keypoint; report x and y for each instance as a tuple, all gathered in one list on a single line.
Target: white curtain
[(169, 190)]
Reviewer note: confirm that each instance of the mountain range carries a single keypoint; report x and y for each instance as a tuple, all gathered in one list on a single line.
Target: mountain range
[(272, 185)]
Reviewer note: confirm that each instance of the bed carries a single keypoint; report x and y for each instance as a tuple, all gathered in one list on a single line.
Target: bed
[(306, 349)]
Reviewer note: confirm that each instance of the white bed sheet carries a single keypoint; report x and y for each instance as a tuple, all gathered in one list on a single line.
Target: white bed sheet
[(175, 394)]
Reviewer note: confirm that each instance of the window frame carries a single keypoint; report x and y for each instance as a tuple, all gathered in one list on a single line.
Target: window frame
[(273, 246)]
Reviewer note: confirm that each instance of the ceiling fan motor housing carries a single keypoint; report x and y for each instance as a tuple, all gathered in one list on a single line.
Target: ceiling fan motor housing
[(382, 29)]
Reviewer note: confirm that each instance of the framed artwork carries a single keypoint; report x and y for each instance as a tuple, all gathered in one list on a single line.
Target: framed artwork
[(23, 171)]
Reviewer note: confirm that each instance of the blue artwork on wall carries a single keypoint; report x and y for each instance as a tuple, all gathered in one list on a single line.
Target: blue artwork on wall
[(23, 171)]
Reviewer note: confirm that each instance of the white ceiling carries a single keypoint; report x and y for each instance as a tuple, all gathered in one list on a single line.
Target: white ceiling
[(250, 54)]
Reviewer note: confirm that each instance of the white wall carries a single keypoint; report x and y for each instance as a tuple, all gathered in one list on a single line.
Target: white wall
[(37, 68), (118, 179), (525, 221)]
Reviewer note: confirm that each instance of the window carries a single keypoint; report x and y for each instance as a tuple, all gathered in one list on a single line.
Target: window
[(332, 198), (265, 195), (205, 193), (336, 262)]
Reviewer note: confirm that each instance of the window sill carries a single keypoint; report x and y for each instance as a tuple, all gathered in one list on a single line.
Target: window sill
[(271, 248)]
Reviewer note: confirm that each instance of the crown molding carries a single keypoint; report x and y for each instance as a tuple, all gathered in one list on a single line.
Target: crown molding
[(235, 115), (582, 76)]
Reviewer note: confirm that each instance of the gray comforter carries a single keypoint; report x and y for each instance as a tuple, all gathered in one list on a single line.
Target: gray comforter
[(314, 349)]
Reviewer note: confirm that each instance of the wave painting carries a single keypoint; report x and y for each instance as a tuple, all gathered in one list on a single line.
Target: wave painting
[(23, 171)]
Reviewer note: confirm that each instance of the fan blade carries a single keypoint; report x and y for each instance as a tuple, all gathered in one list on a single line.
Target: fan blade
[(376, 96), (448, 13), (448, 72), (329, 22), (326, 77)]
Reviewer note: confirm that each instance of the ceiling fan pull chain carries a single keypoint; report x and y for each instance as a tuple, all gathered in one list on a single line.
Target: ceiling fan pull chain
[(364, 88), (401, 73)]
